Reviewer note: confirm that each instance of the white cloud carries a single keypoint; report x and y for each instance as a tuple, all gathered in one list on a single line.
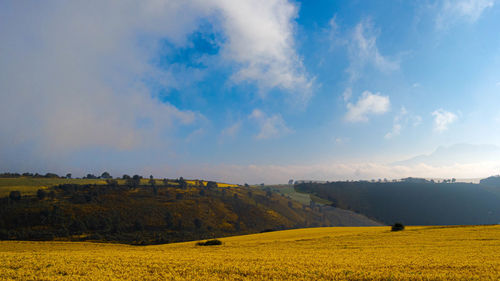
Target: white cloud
[(367, 104), (396, 131), (72, 73), (363, 50), (452, 11), (443, 119), (260, 38), (269, 126)]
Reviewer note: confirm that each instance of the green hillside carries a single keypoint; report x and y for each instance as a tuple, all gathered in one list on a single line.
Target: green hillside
[(157, 212)]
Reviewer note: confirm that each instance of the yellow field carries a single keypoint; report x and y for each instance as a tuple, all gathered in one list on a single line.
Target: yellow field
[(350, 253), (219, 184)]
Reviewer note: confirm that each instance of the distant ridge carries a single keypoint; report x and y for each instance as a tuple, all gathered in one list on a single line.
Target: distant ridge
[(457, 153)]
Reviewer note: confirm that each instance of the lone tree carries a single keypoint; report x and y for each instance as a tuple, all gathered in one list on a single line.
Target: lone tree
[(152, 181), (105, 175), (211, 184), (398, 227), (182, 183)]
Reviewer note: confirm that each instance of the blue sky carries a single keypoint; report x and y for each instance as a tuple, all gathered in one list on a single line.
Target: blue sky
[(249, 91)]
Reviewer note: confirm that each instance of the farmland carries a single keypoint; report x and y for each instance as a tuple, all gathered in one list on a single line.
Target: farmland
[(30, 185), (346, 253)]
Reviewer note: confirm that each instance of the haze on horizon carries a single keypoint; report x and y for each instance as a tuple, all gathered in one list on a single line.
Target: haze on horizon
[(251, 91)]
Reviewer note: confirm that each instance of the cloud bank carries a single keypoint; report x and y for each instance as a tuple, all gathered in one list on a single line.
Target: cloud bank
[(76, 75), (280, 174)]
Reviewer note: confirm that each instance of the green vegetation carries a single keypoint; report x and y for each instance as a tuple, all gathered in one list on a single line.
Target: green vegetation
[(148, 211), (289, 191), (397, 227), (413, 201), (30, 185)]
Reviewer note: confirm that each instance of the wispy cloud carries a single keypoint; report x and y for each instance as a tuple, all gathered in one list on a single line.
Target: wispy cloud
[(232, 130), (452, 11), (347, 94), (341, 140), (367, 104), (269, 126), (443, 119), (401, 120), (363, 50)]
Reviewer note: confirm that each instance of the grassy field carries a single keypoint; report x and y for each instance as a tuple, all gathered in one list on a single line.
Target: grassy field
[(30, 185), (289, 190), (344, 253)]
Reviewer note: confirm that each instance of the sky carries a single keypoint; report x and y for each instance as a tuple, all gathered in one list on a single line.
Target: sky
[(251, 90)]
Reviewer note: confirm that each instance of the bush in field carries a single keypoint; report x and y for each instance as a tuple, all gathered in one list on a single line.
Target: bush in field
[(213, 242), (398, 227)]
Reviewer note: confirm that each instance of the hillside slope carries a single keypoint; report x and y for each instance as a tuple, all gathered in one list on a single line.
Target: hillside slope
[(157, 213), (413, 203)]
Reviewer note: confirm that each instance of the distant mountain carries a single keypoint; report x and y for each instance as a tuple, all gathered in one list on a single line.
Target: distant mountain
[(458, 153)]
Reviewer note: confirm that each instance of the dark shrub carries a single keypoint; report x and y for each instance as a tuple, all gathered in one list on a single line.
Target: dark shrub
[(41, 194), (398, 227), (211, 184), (213, 242), (15, 195)]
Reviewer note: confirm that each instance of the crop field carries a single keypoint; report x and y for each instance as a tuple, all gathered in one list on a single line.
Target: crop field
[(344, 253)]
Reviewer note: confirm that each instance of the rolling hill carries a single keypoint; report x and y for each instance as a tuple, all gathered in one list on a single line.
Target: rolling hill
[(337, 253), (157, 212)]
